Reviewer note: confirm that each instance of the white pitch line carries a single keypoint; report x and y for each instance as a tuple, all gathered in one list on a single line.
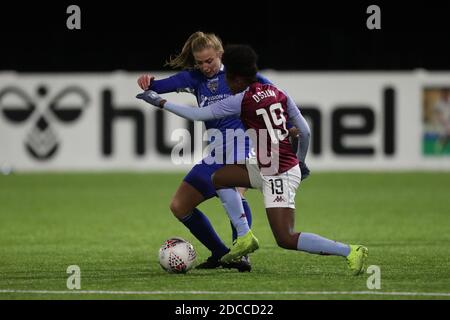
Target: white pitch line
[(99, 292)]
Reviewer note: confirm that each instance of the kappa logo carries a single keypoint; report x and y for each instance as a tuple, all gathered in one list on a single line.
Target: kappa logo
[(213, 85), (279, 199), (44, 110)]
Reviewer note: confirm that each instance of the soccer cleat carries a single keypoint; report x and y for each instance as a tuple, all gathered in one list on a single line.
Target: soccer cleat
[(210, 263), (356, 259), (243, 246), (242, 265)]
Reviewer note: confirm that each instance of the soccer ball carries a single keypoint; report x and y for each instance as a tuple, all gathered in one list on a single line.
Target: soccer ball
[(177, 255)]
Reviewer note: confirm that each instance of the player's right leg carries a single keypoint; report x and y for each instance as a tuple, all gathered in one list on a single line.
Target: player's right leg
[(196, 188), (223, 179), (247, 210), (184, 207)]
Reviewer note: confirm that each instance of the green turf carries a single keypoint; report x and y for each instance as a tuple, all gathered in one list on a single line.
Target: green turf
[(111, 226)]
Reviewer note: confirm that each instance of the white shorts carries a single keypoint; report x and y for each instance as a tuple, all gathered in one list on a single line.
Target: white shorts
[(279, 190)]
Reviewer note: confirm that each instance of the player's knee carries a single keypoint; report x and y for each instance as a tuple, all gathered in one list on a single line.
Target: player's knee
[(287, 242), (177, 209), (283, 243)]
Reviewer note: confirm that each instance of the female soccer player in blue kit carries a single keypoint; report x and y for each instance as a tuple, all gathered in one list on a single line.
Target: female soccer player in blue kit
[(204, 76)]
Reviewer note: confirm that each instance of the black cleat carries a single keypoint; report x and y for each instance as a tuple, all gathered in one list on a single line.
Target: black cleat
[(242, 265), (210, 263)]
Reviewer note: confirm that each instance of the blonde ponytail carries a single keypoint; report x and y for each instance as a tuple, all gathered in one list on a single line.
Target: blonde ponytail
[(196, 42)]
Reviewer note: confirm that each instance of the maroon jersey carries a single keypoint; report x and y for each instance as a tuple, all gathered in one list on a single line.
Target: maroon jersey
[(264, 109)]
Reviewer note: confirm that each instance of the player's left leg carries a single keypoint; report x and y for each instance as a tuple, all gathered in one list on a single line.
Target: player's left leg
[(279, 198), (282, 223)]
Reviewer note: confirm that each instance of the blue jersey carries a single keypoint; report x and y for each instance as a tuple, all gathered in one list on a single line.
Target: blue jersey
[(206, 91)]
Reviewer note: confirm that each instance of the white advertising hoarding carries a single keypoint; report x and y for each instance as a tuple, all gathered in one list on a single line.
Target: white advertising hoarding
[(359, 121)]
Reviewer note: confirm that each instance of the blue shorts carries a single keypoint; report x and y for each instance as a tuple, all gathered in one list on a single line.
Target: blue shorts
[(200, 175), (200, 178)]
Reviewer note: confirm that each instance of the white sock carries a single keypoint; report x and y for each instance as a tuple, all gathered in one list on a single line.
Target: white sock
[(232, 202), (313, 243)]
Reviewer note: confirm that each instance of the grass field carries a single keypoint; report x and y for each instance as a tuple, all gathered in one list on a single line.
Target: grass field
[(111, 226)]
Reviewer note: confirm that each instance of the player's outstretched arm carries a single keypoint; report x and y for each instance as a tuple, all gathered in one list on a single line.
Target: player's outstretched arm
[(144, 81), (182, 81), (217, 110), (194, 114)]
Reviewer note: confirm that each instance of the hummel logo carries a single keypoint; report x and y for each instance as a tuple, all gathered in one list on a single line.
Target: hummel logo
[(66, 106), (279, 199)]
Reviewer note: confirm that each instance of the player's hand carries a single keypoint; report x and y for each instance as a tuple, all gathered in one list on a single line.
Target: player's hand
[(145, 81), (152, 97), (304, 170), (294, 132)]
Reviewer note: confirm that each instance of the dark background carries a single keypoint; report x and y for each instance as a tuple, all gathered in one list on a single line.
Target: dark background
[(288, 35)]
